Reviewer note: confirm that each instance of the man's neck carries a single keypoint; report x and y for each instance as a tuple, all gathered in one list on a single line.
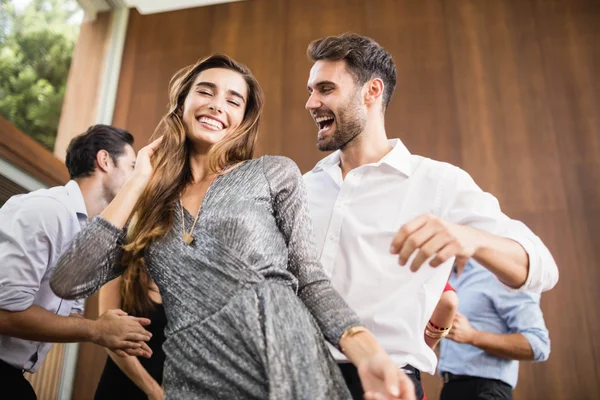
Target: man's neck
[(368, 147), (93, 195)]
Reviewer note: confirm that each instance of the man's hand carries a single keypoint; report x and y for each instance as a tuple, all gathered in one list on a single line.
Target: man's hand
[(122, 334), (462, 331), (433, 236)]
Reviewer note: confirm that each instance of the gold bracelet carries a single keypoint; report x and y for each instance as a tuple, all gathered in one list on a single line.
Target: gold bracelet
[(436, 328), (436, 334), (349, 332)]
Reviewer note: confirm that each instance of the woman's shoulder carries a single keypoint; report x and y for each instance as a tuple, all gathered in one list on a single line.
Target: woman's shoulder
[(279, 165), (277, 170)]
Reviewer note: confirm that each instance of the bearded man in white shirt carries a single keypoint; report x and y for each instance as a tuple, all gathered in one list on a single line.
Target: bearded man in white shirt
[(381, 213)]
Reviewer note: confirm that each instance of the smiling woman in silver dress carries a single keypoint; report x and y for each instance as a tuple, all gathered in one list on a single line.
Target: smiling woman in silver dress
[(227, 239)]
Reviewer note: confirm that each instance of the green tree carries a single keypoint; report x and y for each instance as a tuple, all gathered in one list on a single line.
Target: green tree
[(36, 47)]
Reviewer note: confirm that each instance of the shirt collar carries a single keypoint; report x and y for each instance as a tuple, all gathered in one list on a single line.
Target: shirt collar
[(469, 266), (76, 198), (398, 158)]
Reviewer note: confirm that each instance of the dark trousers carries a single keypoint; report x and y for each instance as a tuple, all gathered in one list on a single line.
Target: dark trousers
[(14, 384), (352, 379), (473, 388)]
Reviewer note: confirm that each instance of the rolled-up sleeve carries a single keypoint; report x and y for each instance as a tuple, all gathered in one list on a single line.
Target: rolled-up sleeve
[(522, 314), (463, 202), (78, 307), (31, 234)]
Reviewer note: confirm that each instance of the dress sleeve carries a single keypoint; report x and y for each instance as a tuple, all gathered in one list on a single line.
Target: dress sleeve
[(289, 200), (92, 259)]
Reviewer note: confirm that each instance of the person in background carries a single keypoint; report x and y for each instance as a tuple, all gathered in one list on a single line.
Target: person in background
[(494, 329), (36, 228), (134, 378)]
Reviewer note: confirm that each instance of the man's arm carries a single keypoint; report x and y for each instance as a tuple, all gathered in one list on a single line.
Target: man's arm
[(40, 325), (471, 224), (31, 234), (513, 346), (440, 239), (528, 338), (114, 329)]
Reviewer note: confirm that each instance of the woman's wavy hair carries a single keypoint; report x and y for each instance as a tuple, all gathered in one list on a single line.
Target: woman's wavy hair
[(154, 212)]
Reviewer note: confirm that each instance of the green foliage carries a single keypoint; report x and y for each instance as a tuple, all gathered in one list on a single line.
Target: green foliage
[(36, 47)]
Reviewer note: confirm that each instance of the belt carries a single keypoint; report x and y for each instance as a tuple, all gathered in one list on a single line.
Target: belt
[(449, 377), (6, 367), (410, 370)]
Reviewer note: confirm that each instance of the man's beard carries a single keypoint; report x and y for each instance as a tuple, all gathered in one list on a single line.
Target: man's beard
[(350, 122)]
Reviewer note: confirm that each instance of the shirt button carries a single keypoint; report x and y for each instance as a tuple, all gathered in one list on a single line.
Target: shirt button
[(331, 237)]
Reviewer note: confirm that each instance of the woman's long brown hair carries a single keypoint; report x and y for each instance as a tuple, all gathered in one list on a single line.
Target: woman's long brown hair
[(154, 212)]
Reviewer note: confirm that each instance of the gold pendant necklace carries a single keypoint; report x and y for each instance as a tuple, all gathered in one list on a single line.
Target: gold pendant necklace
[(187, 237)]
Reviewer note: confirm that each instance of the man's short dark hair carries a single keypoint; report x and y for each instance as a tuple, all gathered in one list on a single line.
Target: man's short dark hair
[(81, 153), (365, 59)]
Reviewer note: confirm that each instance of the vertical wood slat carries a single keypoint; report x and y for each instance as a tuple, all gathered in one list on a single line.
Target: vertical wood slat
[(80, 105), (29, 156), (46, 381)]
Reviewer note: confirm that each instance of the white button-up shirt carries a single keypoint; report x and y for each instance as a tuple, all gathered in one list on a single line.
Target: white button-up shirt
[(36, 229), (355, 220)]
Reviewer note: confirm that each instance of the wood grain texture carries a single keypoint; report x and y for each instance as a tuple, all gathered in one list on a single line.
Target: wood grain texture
[(506, 89), (46, 381), (29, 156), (80, 105)]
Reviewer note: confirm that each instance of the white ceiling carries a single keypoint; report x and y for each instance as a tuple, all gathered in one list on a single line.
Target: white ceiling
[(156, 6), (145, 6)]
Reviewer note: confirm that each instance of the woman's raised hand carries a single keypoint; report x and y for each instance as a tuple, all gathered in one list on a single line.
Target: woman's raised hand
[(143, 166)]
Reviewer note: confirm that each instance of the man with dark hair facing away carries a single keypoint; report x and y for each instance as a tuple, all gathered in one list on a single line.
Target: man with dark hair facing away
[(36, 228)]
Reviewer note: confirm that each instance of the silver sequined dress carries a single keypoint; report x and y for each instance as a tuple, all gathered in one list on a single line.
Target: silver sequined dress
[(247, 302)]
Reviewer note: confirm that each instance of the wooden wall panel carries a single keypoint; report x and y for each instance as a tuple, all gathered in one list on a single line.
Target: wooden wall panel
[(569, 34), (29, 156), (506, 89), (46, 380), (90, 360), (80, 105), (423, 105)]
